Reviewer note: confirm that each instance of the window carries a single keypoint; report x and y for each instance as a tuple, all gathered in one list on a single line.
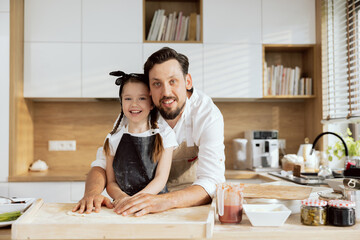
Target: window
[(341, 60)]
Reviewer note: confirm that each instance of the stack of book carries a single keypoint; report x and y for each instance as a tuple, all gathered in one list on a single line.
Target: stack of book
[(174, 27), (282, 81)]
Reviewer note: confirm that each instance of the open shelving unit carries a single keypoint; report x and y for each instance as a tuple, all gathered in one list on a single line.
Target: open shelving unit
[(291, 56), (185, 6)]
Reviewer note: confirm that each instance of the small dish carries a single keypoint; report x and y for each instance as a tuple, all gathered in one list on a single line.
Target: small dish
[(7, 206), (335, 183), (267, 214)]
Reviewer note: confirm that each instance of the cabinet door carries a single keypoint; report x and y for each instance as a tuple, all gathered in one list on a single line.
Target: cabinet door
[(232, 21), (4, 189), (4, 92), (194, 52), (4, 5), (288, 22), (112, 21), (52, 70), (100, 59), (55, 20), (232, 71), (49, 191)]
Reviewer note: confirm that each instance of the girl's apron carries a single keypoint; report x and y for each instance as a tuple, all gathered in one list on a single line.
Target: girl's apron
[(133, 164)]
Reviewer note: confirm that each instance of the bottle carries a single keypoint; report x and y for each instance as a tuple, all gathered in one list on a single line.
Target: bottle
[(313, 212)]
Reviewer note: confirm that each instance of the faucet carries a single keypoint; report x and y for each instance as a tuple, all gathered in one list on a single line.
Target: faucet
[(321, 134)]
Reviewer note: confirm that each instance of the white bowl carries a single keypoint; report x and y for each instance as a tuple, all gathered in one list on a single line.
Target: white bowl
[(335, 183), (267, 214), (6, 206)]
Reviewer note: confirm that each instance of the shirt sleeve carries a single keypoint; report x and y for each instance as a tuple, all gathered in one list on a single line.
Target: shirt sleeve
[(168, 136), (211, 157), (100, 159)]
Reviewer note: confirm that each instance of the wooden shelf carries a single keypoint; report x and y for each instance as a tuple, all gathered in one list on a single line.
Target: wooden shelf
[(291, 56), (289, 96), (185, 6)]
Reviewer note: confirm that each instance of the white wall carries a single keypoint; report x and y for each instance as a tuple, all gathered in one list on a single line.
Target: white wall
[(4, 88)]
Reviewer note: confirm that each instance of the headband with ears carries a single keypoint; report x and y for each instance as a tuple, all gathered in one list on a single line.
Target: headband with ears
[(122, 77)]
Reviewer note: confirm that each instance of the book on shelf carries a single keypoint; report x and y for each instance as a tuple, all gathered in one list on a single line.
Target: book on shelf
[(192, 27), (178, 26), (152, 24), (281, 81), (161, 29), (174, 27), (198, 27), (158, 21)]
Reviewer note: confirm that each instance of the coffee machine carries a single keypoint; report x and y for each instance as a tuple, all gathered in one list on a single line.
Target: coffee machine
[(262, 150)]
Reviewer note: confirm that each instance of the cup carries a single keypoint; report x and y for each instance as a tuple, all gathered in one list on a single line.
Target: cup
[(353, 195), (229, 198)]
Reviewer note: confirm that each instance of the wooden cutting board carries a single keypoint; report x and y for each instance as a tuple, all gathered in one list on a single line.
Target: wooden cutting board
[(52, 221), (276, 192)]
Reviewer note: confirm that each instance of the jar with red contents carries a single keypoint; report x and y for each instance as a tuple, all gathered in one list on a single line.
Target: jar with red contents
[(313, 212), (229, 197), (341, 213)]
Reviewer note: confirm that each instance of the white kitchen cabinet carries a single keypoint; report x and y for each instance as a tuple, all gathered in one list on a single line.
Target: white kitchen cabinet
[(232, 21), (52, 70), (233, 70), (288, 22), (4, 189), (77, 190), (4, 90), (4, 5), (55, 20), (112, 21), (99, 59), (49, 191), (194, 52)]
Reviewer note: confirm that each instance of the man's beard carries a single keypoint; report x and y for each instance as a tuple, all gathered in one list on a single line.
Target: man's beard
[(171, 115)]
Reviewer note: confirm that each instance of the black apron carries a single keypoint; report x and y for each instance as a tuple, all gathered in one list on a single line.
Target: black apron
[(133, 165)]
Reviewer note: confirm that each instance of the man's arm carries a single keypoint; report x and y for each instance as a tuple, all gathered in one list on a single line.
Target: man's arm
[(145, 203), (94, 186)]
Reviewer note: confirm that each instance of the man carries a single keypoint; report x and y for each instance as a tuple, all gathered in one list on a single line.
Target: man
[(199, 128)]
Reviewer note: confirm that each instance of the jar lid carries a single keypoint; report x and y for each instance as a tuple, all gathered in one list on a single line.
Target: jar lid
[(341, 203), (313, 202)]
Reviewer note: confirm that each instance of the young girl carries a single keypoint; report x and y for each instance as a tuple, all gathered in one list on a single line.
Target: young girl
[(138, 153)]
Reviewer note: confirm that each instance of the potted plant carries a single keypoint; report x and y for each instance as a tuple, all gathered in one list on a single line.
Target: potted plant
[(338, 150)]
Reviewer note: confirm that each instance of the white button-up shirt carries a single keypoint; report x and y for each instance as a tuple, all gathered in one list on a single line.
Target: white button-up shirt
[(201, 124)]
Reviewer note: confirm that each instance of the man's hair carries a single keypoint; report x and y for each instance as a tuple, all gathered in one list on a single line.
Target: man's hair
[(164, 55)]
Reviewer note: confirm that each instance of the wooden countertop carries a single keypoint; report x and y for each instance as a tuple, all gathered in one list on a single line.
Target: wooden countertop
[(292, 229)]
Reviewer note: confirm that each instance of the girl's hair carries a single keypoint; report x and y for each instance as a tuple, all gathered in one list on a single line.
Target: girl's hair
[(121, 81)]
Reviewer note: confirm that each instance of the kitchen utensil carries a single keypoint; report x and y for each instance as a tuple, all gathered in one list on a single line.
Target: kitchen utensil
[(351, 183), (276, 192), (13, 200), (229, 202), (267, 214), (239, 146)]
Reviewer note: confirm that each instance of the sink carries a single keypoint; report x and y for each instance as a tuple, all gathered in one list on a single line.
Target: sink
[(236, 176)]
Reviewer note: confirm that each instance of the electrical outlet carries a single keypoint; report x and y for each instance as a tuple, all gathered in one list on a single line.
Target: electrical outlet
[(62, 145)]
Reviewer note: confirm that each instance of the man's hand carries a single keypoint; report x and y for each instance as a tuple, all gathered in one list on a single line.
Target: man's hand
[(87, 203), (142, 204)]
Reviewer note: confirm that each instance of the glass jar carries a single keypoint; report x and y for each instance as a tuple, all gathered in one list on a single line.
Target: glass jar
[(341, 213), (313, 212), (229, 198)]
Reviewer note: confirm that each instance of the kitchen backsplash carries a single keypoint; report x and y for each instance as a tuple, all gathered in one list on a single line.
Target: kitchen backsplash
[(89, 122)]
